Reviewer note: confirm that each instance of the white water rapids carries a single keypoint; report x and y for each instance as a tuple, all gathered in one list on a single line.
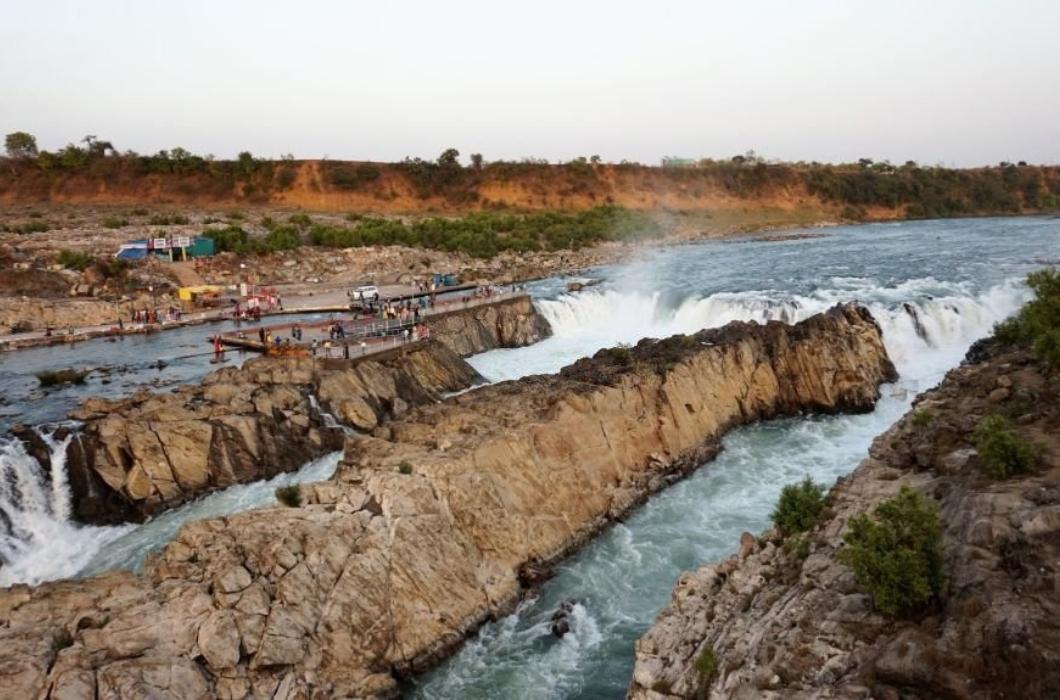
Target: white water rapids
[(934, 288)]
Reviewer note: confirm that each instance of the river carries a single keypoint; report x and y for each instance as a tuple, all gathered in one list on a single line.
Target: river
[(933, 286)]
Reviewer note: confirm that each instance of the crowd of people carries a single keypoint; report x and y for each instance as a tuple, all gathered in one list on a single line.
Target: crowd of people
[(171, 314), (352, 337)]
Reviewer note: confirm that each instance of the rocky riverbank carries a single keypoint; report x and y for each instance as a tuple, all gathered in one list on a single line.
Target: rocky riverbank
[(783, 621), (432, 525), (139, 455)]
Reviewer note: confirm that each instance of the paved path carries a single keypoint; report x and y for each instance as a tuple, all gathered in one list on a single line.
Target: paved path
[(301, 299), (369, 330)]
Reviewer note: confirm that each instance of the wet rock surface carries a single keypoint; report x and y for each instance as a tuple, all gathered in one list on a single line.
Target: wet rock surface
[(424, 531), (784, 623)]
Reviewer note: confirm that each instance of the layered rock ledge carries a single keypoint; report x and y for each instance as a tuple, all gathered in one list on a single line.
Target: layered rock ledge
[(780, 623), (151, 451), (430, 527)]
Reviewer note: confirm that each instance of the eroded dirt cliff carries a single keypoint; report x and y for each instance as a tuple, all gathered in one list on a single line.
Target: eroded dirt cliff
[(430, 526), (780, 623)]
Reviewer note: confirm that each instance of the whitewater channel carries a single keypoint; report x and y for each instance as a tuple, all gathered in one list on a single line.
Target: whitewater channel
[(934, 288)]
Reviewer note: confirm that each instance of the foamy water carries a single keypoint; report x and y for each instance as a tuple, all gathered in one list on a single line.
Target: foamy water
[(934, 287)]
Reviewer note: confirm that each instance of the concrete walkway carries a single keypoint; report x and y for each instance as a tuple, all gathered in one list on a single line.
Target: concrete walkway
[(329, 299)]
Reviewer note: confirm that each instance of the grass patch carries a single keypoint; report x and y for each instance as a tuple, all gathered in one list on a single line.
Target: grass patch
[(115, 222), (1002, 452), (799, 507), (706, 665), (922, 419), (290, 495), (897, 557)]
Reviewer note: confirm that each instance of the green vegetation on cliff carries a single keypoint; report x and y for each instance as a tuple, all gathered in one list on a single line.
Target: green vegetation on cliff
[(897, 557), (798, 507), (1002, 451), (1037, 325)]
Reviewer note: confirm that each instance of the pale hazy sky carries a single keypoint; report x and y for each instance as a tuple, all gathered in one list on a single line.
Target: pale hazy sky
[(961, 82)]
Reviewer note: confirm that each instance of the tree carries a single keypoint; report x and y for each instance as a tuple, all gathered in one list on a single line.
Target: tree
[(246, 163), (476, 161), (594, 159), (449, 157), (20, 144)]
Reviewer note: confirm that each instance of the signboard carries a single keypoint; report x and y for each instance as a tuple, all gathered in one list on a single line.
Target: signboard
[(160, 244), (182, 242)]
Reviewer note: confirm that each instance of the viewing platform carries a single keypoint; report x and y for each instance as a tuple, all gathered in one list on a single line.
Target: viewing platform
[(351, 333)]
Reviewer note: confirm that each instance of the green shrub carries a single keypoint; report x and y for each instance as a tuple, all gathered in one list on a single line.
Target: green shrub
[(279, 238), (114, 222), (621, 354), (1002, 452), (74, 260), (286, 177), (405, 468), (922, 419), (347, 176), (1037, 325), (706, 664), (300, 220), (231, 239), (897, 558), (290, 495), (799, 507)]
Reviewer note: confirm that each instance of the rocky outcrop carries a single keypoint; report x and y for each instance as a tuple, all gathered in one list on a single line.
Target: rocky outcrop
[(431, 526), (138, 455), (509, 323), (784, 623)]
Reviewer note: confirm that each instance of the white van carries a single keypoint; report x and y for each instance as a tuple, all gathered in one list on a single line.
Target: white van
[(365, 293)]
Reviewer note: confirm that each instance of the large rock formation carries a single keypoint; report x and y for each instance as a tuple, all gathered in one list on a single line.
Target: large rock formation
[(149, 452), (138, 455), (429, 527), (508, 323), (785, 623)]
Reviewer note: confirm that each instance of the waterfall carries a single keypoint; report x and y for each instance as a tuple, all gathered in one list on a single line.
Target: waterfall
[(914, 316), (38, 539)]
